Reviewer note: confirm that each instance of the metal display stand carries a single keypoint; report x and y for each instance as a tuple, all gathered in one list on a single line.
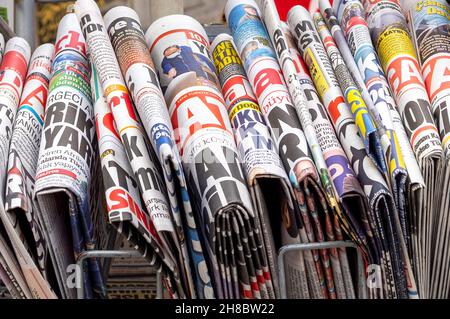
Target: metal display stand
[(361, 286)]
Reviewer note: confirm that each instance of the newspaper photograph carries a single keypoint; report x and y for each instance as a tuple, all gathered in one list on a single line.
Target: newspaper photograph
[(204, 136), (137, 67), (66, 182)]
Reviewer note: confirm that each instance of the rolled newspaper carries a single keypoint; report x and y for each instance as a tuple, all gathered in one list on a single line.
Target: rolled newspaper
[(137, 67), (348, 188), (14, 70), (181, 53), (406, 189), (389, 32), (355, 103), (429, 23), (363, 120), (2, 47), (262, 164), (260, 62), (381, 203), (28, 239), (66, 175), (125, 207), (141, 157), (279, 39)]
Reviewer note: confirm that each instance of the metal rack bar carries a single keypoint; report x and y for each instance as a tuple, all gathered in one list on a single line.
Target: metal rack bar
[(362, 290), (25, 21), (6, 30), (111, 254)]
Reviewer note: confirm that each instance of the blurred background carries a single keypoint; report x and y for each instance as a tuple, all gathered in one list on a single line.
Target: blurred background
[(37, 21)]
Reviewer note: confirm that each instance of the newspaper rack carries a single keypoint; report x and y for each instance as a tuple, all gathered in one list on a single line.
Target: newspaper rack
[(361, 283), (212, 29)]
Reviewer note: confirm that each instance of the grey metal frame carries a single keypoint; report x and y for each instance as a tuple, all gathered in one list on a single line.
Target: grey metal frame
[(361, 288), (111, 254)]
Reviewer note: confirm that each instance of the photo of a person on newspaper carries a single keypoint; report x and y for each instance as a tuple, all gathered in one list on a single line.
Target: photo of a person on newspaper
[(250, 14), (179, 60), (253, 51)]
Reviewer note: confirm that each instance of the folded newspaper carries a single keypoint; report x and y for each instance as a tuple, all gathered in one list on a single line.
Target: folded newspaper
[(392, 39), (429, 24), (124, 203), (180, 49), (137, 67), (67, 170), (141, 157), (405, 178), (207, 159), (25, 232), (13, 70), (355, 102), (266, 177), (348, 188), (383, 218), (316, 274)]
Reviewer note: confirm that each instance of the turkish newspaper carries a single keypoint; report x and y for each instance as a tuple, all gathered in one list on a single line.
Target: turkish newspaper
[(266, 177), (14, 70), (340, 39), (66, 175), (316, 274), (124, 203), (25, 232), (347, 186), (233, 237), (381, 203), (279, 39), (405, 178), (138, 69), (356, 104), (392, 40), (141, 157), (363, 119), (430, 29)]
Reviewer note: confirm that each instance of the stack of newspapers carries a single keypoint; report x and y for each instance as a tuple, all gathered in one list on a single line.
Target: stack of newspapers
[(207, 158)]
